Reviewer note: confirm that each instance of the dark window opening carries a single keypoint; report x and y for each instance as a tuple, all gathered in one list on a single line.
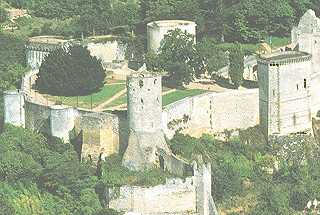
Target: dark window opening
[(297, 86), (142, 101), (140, 83), (155, 81), (305, 83), (294, 119), (273, 92)]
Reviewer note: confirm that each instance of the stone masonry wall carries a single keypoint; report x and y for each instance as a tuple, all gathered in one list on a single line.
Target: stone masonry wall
[(176, 197), (215, 112)]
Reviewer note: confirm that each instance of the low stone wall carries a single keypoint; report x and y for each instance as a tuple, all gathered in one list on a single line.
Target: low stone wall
[(37, 117), (176, 197), (214, 112)]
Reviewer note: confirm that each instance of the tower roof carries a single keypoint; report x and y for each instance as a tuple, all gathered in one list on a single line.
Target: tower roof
[(284, 57)]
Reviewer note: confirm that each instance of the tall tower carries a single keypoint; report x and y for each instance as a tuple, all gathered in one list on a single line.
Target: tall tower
[(307, 38), (145, 121), (157, 30), (284, 92)]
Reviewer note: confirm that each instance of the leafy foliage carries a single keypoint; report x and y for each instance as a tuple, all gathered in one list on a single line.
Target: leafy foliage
[(236, 69), (279, 178), (70, 72), (178, 57)]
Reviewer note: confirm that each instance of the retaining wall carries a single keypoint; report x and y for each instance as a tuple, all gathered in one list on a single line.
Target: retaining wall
[(217, 112)]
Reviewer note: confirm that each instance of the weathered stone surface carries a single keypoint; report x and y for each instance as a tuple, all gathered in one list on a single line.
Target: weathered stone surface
[(285, 99), (158, 29), (145, 121), (213, 112)]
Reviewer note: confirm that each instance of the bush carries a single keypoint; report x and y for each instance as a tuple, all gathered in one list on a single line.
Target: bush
[(70, 72)]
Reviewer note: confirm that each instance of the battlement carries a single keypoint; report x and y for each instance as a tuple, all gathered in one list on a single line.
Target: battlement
[(170, 23), (284, 58)]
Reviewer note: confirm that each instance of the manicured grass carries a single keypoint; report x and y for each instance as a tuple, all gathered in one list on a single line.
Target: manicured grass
[(166, 99), (180, 94), (97, 98), (279, 41)]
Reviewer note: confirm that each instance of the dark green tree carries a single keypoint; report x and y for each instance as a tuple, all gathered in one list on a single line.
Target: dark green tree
[(178, 57), (236, 69), (70, 72)]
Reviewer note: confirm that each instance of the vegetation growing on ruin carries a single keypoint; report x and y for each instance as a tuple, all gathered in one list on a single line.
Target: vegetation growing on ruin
[(70, 72), (44, 176), (252, 177)]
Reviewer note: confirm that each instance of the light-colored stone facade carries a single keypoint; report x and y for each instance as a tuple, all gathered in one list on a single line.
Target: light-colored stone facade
[(212, 112), (177, 197), (110, 50), (145, 122), (306, 37), (157, 30), (284, 92), (37, 48), (14, 112)]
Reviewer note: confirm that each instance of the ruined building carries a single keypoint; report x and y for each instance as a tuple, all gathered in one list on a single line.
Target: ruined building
[(145, 120), (284, 94), (157, 30), (289, 82)]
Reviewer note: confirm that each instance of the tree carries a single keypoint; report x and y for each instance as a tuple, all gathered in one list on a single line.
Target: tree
[(236, 69), (214, 57), (70, 72), (178, 57)]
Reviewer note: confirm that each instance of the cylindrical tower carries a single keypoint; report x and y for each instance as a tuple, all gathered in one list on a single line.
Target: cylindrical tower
[(146, 137), (14, 112), (144, 102), (62, 121), (158, 29), (37, 48)]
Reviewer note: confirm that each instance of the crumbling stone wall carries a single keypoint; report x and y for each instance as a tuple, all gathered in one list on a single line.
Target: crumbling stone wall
[(176, 197), (100, 134), (213, 112), (109, 52)]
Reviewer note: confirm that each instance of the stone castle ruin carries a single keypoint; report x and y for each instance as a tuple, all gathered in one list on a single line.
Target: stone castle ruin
[(145, 121), (158, 29), (109, 49), (286, 101)]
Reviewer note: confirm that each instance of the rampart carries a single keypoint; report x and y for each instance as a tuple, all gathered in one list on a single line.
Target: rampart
[(176, 197), (213, 112)]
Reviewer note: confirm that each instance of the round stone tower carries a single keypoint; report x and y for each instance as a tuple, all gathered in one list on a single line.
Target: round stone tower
[(14, 112), (39, 47), (158, 29), (145, 121), (62, 121)]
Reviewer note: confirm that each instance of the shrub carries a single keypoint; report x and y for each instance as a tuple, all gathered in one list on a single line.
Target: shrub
[(70, 72)]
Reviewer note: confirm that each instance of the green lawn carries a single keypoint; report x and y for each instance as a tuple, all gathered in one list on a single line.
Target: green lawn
[(97, 98), (252, 48), (180, 94), (166, 99)]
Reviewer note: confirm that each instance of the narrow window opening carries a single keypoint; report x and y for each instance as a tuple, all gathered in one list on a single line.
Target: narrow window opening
[(155, 81), (273, 92), (142, 101), (297, 86), (294, 119), (140, 83), (305, 83)]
